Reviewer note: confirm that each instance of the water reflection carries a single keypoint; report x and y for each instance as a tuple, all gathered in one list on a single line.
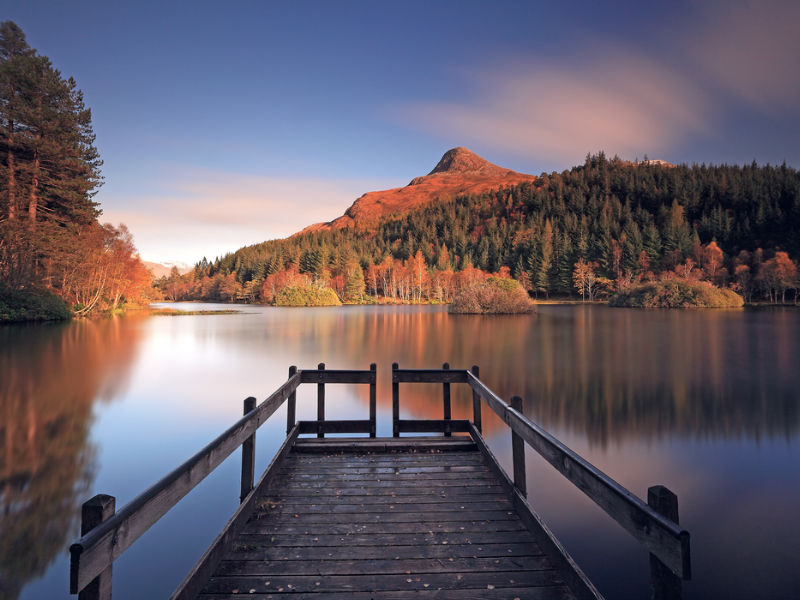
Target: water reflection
[(639, 393), (607, 374), (49, 378)]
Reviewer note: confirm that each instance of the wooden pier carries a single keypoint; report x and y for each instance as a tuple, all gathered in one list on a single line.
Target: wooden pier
[(367, 517)]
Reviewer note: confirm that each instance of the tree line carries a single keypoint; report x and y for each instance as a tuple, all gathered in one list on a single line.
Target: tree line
[(50, 236), (594, 229)]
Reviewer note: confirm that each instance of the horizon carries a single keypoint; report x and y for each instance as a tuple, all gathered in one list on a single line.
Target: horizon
[(221, 129)]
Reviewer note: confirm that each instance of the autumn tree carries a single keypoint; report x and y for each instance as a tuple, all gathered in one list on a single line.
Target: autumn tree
[(585, 278)]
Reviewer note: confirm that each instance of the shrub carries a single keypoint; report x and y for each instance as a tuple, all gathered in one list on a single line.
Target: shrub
[(306, 295), (31, 305), (495, 295), (677, 293)]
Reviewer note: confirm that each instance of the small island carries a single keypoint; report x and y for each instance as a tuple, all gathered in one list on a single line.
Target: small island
[(494, 295), (676, 293)]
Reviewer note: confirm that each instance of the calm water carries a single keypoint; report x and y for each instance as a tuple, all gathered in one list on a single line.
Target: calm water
[(704, 402)]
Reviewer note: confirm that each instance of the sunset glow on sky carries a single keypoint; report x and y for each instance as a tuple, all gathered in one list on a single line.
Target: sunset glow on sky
[(225, 124)]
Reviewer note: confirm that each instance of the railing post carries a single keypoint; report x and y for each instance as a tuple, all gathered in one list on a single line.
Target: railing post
[(664, 584), (248, 455), (446, 402), (518, 452), (373, 430), (320, 403), (291, 404), (395, 402), (476, 402), (93, 512)]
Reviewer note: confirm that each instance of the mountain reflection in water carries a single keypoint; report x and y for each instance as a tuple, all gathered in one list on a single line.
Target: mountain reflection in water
[(702, 401)]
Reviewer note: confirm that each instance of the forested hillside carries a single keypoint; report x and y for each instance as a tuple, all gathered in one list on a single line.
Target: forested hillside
[(51, 242), (594, 229)]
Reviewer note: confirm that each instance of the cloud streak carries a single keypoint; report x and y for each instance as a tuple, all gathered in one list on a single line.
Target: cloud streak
[(619, 102), (631, 101)]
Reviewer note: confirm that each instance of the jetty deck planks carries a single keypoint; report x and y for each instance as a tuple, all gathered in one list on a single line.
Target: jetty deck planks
[(394, 518)]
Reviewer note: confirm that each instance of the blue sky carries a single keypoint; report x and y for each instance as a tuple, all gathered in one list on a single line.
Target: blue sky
[(228, 123)]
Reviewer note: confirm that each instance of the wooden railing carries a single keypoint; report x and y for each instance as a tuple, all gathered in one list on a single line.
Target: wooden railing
[(654, 524), (105, 535)]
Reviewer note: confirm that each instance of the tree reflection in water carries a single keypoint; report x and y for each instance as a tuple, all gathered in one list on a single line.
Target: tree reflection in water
[(50, 376)]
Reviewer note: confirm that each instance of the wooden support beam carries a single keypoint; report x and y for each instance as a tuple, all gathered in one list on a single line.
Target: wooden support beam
[(339, 426), (446, 399), (432, 426), (664, 584), (320, 401), (291, 405), (93, 512), (395, 400), (373, 411), (430, 375), (476, 403), (518, 452), (248, 455)]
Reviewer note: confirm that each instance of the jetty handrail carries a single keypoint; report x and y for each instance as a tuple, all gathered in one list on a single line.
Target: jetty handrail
[(105, 537), (661, 536), (99, 547)]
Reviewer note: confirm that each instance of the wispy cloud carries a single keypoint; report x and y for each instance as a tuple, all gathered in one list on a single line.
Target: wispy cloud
[(196, 213), (630, 100), (617, 102)]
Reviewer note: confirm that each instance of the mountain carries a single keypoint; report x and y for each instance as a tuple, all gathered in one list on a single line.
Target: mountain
[(625, 221), (459, 172), (164, 269)]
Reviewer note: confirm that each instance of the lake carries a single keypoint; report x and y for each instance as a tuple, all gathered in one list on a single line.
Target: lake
[(704, 402)]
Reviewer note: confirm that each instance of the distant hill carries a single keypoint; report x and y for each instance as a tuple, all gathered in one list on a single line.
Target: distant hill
[(160, 270), (459, 172)]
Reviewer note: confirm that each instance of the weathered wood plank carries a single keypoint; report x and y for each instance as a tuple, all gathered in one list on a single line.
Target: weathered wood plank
[(363, 445), (255, 548), (381, 566), (431, 537), (440, 458), (335, 376), (421, 527), (427, 425), (322, 469), (558, 592), (342, 426), (429, 376), (373, 368), (496, 499), (196, 578), (386, 517), (248, 455), (660, 536), (401, 494), (260, 551), (360, 582), (320, 401), (96, 550), (389, 484), (384, 504)]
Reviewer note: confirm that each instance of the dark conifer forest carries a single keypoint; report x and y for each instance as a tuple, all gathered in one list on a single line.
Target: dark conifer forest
[(595, 229)]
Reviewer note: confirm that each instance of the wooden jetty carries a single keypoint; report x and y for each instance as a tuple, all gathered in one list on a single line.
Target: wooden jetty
[(365, 517)]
